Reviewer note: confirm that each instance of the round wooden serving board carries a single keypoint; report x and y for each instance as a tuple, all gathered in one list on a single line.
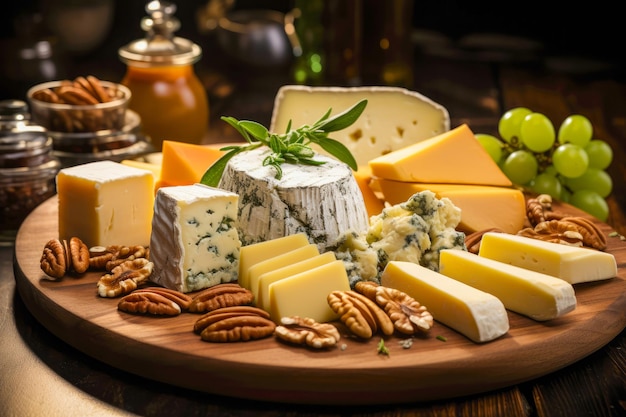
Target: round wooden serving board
[(167, 350)]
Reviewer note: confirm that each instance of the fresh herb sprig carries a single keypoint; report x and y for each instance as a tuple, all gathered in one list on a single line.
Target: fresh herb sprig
[(291, 147)]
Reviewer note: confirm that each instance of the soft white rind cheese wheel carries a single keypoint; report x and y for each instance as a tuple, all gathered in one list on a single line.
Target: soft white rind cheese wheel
[(393, 118), (538, 296), (321, 201), (194, 242), (479, 316)]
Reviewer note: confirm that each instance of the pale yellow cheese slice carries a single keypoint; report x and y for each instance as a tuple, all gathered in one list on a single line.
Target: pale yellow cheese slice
[(306, 294), (296, 255), (482, 207), (479, 316), (268, 278), (573, 264), (257, 252), (538, 296), (453, 157)]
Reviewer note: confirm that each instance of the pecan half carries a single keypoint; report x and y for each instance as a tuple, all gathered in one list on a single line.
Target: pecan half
[(306, 331), (591, 234), (472, 241), (220, 296), (107, 258), (406, 313), (183, 300), (234, 324), (146, 302), (125, 278), (60, 257), (360, 314)]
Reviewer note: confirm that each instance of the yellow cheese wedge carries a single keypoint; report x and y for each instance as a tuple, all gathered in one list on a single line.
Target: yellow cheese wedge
[(263, 297), (373, 203), (305, 294), (185, 163), (572, 264), (296, 255), (105, 203), (257, 252), (538, 296), (482, 207), (479, 316), (453, 157)]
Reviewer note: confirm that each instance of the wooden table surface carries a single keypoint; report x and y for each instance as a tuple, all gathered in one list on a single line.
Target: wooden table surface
[(43, 375)]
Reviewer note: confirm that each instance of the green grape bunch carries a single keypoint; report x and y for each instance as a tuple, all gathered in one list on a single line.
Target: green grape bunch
[(567, 163)]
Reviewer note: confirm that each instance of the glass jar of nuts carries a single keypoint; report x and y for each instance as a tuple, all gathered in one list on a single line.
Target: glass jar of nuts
[(27, 167)]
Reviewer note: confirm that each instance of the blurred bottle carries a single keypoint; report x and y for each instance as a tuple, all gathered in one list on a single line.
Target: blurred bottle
[(166, 93)]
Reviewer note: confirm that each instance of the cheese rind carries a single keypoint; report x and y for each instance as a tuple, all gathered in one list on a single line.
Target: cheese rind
[(263, 298), (261, 251), (453, 157), (479, 316), (194, 243), (538, 296), (572, 264), (306, 294), (279, 261), (321, 201), (393, 118), (482, 207), (105, 203)]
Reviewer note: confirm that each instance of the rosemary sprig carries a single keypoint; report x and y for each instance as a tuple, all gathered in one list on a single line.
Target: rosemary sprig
[(293, 146)]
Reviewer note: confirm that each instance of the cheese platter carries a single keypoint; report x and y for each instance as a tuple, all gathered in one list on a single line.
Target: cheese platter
[(441, 364)]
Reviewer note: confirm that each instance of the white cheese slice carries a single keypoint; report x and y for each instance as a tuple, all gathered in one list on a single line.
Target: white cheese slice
[(479, 316), (538, 296), (321, 201), (393, 118), (570, 263), (194, 242)]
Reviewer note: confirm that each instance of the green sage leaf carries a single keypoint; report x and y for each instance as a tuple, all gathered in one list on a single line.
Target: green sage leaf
[(344, 119), (214, 173), (339, 151)]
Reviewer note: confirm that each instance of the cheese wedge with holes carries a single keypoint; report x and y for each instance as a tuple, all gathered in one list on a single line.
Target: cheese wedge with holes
[(296, 255), (572, 264), (265, 280), (105, 203), (393, 118), (252, 254), (482, 207), (538, 296), (185, 163), (479, 316), (453, 157), (306, 294)]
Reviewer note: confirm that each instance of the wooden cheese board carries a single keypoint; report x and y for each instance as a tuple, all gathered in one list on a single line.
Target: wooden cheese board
[(443, 364)]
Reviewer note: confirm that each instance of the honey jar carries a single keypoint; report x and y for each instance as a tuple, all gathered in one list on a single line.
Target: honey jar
[(166, 92)]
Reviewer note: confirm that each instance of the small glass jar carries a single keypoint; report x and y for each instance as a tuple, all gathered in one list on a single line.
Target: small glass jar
[(27, 167), (166, 93)]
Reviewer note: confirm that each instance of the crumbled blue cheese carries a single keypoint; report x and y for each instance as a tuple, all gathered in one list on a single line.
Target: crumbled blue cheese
[(413, 231)]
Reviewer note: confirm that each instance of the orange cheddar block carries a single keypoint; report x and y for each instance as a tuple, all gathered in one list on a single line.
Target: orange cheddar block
[(482, 207), (373, 203), (453, 157), (185, 163)]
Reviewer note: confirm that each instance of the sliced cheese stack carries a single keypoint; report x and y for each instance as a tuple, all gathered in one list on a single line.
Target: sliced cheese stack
[(194, 242), (572, 264), (454, 165), (538, 296), (321, 201), (479, 316), (393, 118), (185, 163), (105, 203)]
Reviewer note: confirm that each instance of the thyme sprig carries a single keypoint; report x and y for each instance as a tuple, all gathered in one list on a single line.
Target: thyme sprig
[(293, 146)]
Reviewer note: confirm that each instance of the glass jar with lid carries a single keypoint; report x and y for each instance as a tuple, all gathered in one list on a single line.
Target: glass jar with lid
[(28, 168), (166, 92)]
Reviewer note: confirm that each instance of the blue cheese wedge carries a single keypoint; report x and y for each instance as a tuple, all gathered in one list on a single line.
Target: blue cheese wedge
[(322, 201), (195, 242)]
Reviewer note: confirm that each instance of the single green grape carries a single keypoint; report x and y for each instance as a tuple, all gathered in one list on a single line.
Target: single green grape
[(576, 129), (520, 167), (590, 202), (509, 123), (491, 144), (600, 154), (546, 184), (593, 179), (537, 132), (570, 160), (566, 195)]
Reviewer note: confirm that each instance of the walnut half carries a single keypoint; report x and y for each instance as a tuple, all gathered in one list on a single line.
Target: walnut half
[(306, 331), (125, 278)]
